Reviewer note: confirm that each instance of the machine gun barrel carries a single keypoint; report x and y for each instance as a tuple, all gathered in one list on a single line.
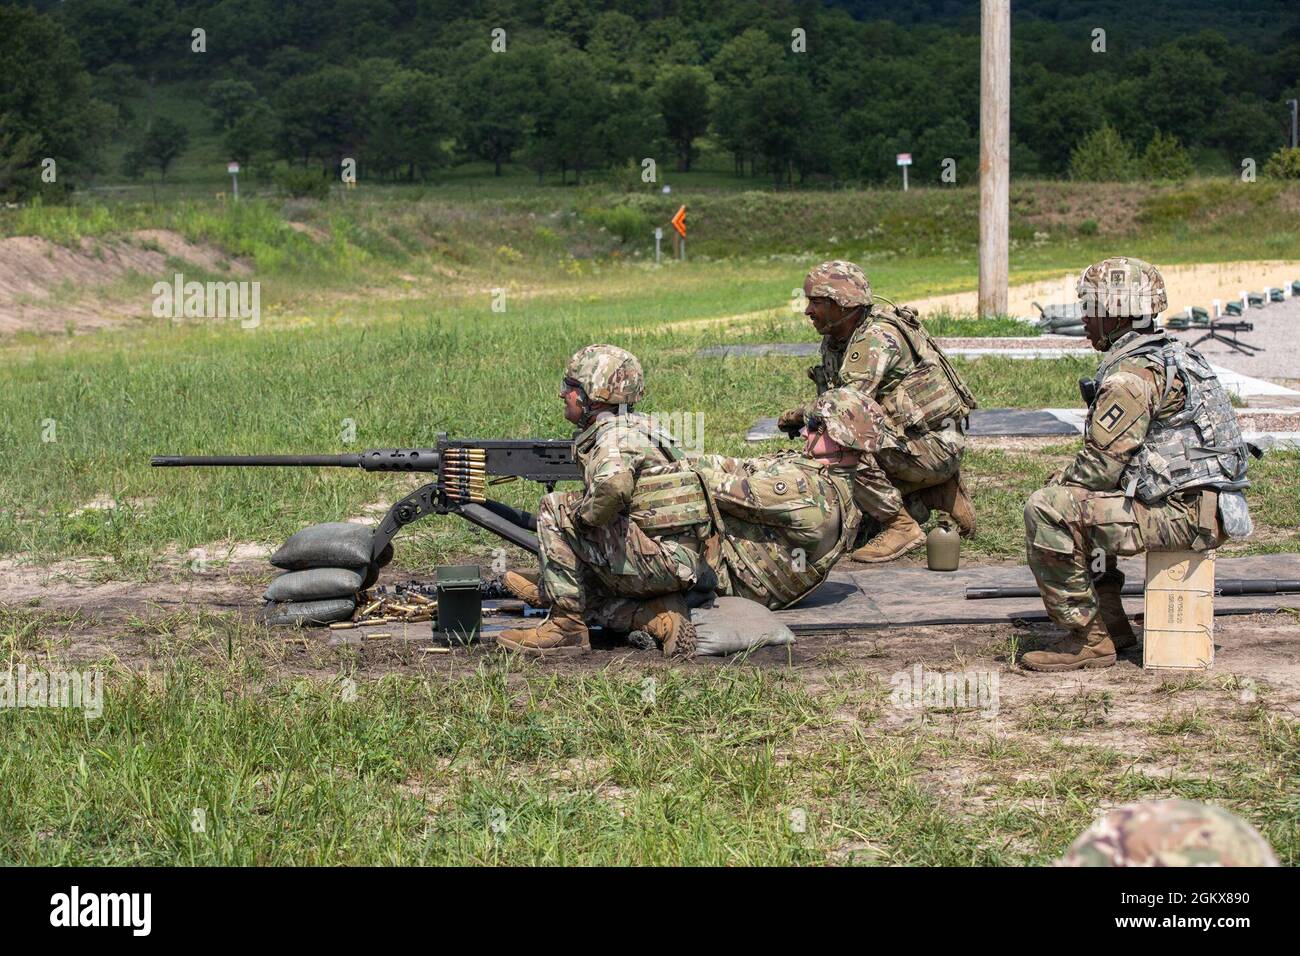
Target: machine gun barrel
[(462, 468), (376, 459)]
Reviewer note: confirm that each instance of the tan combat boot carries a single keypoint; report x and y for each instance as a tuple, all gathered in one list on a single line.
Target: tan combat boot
[(667, 620), (952, 499), (563, 633), (1109, 587), (899, 535), (1085, 647), (525, 585)]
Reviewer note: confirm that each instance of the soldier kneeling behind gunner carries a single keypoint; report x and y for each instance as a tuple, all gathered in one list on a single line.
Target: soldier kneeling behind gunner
[(887, 355)]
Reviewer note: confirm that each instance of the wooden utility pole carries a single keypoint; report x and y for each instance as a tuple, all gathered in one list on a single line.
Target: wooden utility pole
[(995, 153)]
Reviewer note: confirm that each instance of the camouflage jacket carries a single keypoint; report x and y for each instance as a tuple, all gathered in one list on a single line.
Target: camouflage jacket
[(880, 360), (613, 451), (1121, 414), (787, 521), (905, 372)]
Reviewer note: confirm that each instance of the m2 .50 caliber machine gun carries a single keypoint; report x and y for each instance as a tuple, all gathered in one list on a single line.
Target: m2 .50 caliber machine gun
[(465, 468)]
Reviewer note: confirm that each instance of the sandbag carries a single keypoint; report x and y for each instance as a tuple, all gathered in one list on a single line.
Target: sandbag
[(734, 624), (335, 544), (307, 613), (372, 572), (314, 584)]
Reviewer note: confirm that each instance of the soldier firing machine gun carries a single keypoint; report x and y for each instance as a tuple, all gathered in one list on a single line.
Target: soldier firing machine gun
[(465, 468)]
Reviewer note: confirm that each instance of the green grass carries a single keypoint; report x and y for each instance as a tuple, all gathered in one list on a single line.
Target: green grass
[(638, 763), (494, 767)]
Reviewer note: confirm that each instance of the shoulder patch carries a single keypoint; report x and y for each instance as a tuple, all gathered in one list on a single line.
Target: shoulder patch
[(1123, 400)]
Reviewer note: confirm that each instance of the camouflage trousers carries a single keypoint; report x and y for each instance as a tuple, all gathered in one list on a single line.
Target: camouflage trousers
[(604, 573), (884, 479), (1073, 534)]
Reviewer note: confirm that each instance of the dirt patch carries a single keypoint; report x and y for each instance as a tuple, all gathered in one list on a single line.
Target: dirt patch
[(1187, 285), (42, 283), (1252, 651)]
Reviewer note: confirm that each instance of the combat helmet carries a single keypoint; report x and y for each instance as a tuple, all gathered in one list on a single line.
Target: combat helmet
[(1170, 833), (606, 373), (844, 282), (850, 417), (1122, 287)]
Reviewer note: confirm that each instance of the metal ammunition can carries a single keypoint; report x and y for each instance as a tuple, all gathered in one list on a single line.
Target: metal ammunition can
[(460, 604)]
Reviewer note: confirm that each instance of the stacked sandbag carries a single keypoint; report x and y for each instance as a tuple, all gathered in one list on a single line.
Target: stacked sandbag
[(325, 567)]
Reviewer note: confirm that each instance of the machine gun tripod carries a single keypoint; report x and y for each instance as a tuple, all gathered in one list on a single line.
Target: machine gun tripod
[(1217, 326)]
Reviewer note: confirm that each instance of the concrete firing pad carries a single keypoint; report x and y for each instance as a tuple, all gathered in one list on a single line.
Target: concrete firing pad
[(1018, 423)]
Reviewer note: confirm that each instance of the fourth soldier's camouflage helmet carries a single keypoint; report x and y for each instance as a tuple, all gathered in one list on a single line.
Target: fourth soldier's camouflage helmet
[(1170, 833), (607, 374), (1122, 287), (850, 417), (842, 281)]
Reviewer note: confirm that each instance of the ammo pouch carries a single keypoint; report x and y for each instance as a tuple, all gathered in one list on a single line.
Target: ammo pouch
[(668, 500), (1234, 515), (932, 393)]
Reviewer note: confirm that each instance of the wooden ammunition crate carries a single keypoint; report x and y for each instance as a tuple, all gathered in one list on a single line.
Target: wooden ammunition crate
[(1179, 622)]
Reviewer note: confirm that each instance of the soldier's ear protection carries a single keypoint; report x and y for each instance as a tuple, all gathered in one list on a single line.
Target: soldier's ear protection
[(583, 402)]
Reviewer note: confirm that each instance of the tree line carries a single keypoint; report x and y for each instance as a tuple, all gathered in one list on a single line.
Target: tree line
[(793, 92)]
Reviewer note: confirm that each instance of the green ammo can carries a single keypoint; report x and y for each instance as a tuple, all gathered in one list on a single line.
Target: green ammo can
[(460, 605)]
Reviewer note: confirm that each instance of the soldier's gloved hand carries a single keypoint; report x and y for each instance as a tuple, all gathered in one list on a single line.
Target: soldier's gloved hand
[(1056, 476), (791, 422)]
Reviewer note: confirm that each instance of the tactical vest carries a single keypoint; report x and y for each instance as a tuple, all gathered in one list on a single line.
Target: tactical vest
[(932, 393), (770, 571), (1199, 446), (668, 500)]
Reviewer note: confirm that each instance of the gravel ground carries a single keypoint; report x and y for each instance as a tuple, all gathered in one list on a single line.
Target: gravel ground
[(1277, 329), (1269, 422), (1036, 342)]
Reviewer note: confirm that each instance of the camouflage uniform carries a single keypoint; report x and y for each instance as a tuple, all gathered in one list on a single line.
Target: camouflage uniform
[(596, 560), (780, 521), (892, 359), (1105, 502), (1170, 833), (785, 521)]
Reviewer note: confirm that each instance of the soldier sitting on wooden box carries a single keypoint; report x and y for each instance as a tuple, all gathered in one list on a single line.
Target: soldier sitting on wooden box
[(1162, 468)]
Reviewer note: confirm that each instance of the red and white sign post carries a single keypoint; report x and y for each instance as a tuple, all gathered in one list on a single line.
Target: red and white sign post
[(905, 160)]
